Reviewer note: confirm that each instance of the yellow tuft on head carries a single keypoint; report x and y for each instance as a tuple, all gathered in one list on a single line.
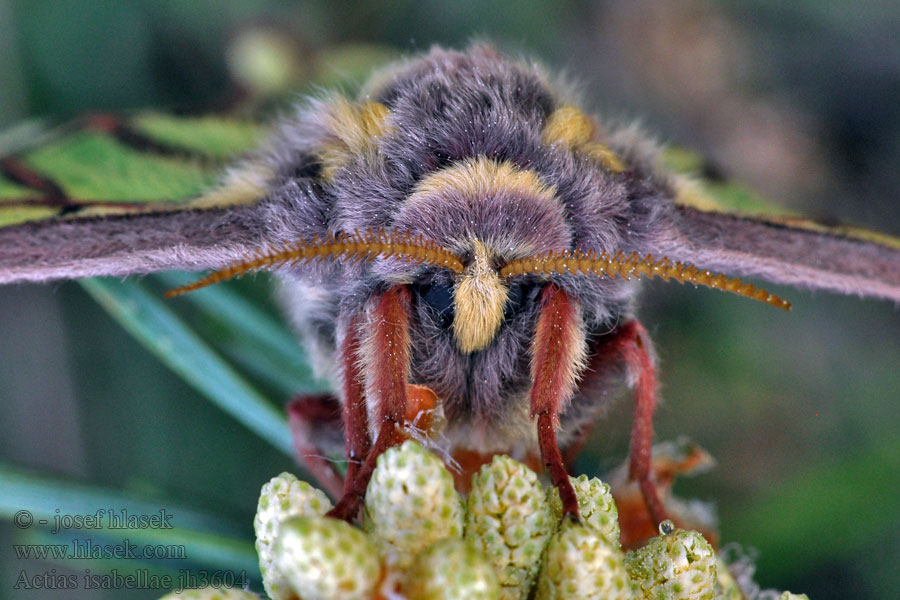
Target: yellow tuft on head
[(480, 298)]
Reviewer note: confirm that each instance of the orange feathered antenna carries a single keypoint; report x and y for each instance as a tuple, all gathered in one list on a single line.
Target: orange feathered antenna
[(618, 265), (359, 247)]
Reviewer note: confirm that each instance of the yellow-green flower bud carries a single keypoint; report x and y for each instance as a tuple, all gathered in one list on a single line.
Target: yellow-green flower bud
[(411, 503), (451, 569), (676, 566), (212, 593), (509, 519), (282, 497), (580, 562), (326, 559), (790, 596), (595, 503)]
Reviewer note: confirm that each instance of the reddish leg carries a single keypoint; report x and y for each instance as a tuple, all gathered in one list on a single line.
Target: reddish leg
[(315, 421), (390, 370), (558, 343), (637, 356), (628, 341), (356, 419)]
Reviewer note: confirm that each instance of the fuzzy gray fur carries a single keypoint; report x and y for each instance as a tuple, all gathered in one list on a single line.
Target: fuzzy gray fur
[(447, 106)]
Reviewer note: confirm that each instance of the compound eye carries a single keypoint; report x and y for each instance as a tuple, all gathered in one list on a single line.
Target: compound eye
[(439, 297), (518, 297)]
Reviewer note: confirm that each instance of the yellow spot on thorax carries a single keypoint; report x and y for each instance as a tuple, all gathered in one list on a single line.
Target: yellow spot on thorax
[(354, 128), (480, 297), (570, 127)]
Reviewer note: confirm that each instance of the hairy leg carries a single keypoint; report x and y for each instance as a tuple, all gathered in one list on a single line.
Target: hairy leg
[(556, 363), (388, 359), (356, 420), (637, 357), (629, 342)]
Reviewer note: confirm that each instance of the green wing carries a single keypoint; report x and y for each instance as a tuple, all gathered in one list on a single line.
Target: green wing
[(109, 195), (103, 165)]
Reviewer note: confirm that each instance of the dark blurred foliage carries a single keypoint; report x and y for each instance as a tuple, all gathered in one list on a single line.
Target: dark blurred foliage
[(799, 99)]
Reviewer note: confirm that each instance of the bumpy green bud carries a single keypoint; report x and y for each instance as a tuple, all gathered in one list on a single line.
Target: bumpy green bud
[(282, 497), (326, 559), (509, 519), (411, 503), (790, 596), (451, 569), (580, 562), (212, 593), (595, 503), (680, 565)]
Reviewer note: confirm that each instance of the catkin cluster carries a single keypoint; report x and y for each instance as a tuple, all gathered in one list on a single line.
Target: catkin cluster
[(506, 540)]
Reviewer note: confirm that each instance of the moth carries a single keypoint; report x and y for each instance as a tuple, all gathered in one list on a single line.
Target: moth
[(461, 240)]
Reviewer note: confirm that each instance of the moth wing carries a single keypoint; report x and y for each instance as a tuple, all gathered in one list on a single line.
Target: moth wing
[(721, 226), (113, 196)]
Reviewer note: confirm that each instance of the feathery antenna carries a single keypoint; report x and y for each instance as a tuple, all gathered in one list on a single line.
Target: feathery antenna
[(356, 247), (618, 265)]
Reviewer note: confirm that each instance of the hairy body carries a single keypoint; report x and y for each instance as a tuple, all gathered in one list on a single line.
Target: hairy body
[(480, 160), (462, 158)]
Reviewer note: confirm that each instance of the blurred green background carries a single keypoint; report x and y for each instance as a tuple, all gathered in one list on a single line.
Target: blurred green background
[(799, 100)]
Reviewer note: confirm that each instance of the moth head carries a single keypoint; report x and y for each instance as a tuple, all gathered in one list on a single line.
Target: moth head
[(481, 290), (486, 211)]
